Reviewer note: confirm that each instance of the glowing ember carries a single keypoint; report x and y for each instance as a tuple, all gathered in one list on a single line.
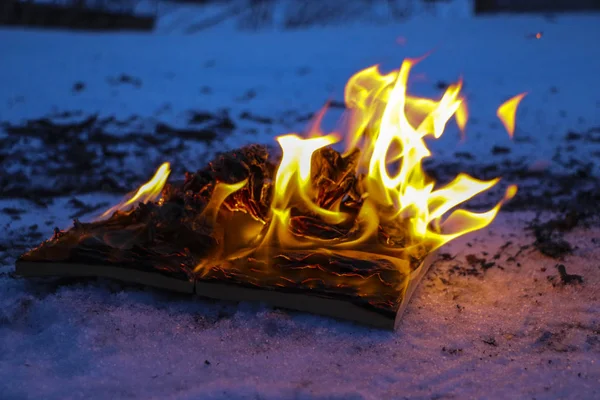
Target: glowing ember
[(507, 113)]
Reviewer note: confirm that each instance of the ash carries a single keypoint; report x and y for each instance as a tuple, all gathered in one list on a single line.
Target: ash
[(512, 311)]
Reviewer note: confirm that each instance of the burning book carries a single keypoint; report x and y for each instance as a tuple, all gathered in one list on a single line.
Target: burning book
[(343, 227)]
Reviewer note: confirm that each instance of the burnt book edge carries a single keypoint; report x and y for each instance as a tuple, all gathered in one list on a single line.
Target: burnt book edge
[(309, 303), (415, 279), (312, 303), (30, 269)]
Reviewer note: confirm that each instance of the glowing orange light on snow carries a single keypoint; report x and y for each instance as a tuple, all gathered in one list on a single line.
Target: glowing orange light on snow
[(401, 40)]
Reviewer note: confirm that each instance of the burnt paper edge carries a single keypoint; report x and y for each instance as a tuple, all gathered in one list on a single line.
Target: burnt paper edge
[(415, 279), (303, 302), (56, 269)]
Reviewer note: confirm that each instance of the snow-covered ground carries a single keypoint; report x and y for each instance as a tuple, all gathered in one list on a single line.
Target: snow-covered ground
[(271, 73), (508, 331)]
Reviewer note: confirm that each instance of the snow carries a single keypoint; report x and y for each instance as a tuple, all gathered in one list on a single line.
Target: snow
[(96, 338), (505, 333), (301, 70)]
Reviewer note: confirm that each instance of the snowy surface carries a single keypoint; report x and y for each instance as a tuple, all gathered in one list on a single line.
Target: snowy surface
[(274, 73), (505, 333), (509, 331)]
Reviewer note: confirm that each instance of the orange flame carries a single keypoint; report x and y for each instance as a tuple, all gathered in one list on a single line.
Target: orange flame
[(389, 128), (149, 191), (402, 122), (386, 134), (507, 112)]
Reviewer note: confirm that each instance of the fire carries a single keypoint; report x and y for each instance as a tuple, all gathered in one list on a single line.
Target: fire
[(389, 127), (507, 111), (150, 191), (375, 197)]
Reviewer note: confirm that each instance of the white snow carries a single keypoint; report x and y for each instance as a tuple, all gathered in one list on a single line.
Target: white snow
[(301, 70), (97, 339), (100, 339)]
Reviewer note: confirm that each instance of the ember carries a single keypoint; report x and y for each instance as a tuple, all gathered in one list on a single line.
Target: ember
[(345, 234)]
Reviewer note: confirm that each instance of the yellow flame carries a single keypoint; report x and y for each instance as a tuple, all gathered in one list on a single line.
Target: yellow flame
[(392, 197), (462, 116), (389, 127), (507, 112), (219, 194), (149, 191), (406, 121)]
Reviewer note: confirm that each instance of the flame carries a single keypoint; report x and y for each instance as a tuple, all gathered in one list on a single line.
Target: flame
[(389, 127), (507, 111), (392, 197), (149, 191), (220, 193), (401, 123)]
